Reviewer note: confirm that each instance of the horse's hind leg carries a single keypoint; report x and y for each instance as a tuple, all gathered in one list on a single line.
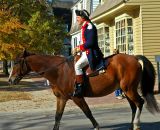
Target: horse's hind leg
[(133, 107), (83, 105), (134, 98), (61, 103)]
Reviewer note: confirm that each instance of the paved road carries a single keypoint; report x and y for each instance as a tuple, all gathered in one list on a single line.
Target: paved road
[(112, 118)]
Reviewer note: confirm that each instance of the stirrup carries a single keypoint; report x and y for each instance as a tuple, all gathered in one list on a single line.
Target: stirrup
[(102, 71), (77, 94), (78, 90)]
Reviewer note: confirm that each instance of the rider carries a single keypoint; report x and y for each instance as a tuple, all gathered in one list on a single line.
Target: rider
[(91, 53)]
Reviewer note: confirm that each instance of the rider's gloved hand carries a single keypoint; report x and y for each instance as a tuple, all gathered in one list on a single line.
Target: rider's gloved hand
[(75, 50)]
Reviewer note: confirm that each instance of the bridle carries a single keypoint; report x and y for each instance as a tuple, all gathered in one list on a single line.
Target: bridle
[(24, 67), (23, 70), (23, 63), (68, 59)]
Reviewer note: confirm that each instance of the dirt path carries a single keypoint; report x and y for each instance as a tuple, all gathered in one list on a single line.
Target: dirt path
[(43, 98)]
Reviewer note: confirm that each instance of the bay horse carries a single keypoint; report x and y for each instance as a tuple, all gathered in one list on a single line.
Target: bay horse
[(123, 71)]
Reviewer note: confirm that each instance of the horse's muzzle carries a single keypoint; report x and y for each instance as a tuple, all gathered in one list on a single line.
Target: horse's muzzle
[(10, 81), (14, 80)]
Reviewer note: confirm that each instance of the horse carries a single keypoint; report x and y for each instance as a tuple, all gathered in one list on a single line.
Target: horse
[(124, 71)]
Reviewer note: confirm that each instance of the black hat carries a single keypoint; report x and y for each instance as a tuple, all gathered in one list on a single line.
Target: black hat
[(83, 13)]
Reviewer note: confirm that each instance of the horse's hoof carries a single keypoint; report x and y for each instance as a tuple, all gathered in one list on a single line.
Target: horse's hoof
[(55, 128), (130, 128), (134, 129), (97, 128)]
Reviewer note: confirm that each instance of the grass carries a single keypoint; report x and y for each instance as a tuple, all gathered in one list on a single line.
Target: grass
[(14, 95), (9, 93)]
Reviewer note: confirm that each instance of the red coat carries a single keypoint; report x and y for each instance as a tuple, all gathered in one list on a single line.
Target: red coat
[(90, 45)]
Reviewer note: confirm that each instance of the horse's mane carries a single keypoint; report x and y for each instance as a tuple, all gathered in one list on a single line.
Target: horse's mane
[(69, 59), (110, 56)]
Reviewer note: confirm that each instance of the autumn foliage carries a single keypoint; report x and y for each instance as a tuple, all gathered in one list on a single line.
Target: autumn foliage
[(28, 24), (9, 33)]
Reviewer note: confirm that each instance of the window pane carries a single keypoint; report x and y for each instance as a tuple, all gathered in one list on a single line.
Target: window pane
[(123, 23), (130, 30), (129, 22), (124, 35), (123, 31), (130, 38)]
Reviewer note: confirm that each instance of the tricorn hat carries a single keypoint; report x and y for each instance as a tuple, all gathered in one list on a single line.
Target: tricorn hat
[(83, 13)]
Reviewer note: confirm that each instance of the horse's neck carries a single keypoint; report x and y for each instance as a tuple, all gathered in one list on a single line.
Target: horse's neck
[(40, 63), (52, 68)]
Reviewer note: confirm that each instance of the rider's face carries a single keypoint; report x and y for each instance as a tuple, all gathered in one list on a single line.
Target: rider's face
[(80, 20)]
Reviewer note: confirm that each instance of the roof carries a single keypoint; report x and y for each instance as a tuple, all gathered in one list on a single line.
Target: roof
[(63, 4), (75, 3), (109, 4)]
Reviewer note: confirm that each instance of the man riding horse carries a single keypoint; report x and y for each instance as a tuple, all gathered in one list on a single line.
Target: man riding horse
[(91, 53)]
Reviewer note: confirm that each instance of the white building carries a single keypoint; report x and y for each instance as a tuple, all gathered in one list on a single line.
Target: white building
[(88, 5)]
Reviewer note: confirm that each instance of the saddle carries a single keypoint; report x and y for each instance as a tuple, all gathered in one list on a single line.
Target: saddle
[(90, 73)]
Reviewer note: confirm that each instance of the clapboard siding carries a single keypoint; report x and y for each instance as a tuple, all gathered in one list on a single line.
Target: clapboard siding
[(137, 34), (150, 14), (111, 34), (146, 26)]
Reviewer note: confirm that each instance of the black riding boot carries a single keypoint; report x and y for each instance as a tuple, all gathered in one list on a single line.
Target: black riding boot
[(78, 90), (78, 86)]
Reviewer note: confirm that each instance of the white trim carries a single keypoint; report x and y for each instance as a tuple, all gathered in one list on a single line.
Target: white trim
[(120, 17), (101, 25), (109, 12), (114, 37), (75, 33)]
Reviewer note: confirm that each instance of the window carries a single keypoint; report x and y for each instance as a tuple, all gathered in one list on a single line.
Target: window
[(124, 34), (75, 42), (103, 39)]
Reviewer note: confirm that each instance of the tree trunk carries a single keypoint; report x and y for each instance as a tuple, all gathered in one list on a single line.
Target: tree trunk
[(5, 67)]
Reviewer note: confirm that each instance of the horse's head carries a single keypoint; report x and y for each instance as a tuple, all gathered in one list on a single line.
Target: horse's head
[(20, 69)]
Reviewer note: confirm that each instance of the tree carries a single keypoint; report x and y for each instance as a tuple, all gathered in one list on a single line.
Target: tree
[(46, 34), (10, 30), (9, 37), (29, 24)]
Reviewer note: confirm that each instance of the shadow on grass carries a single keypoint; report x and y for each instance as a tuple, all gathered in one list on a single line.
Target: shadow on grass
[(30, 85)]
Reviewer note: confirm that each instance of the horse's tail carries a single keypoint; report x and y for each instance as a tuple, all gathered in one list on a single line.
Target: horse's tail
[(147, 84)]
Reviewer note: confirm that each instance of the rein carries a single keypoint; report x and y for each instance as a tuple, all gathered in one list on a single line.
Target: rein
[(69, 58), (24, 66)]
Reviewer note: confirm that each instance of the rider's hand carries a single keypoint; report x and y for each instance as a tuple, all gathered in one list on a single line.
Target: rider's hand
[(76, 50)]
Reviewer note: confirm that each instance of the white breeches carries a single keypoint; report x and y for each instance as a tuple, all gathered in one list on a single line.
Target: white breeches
[(82, 62)]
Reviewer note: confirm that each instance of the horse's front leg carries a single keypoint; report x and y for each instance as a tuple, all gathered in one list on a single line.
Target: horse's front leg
[(84, 107), (61, 103)]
